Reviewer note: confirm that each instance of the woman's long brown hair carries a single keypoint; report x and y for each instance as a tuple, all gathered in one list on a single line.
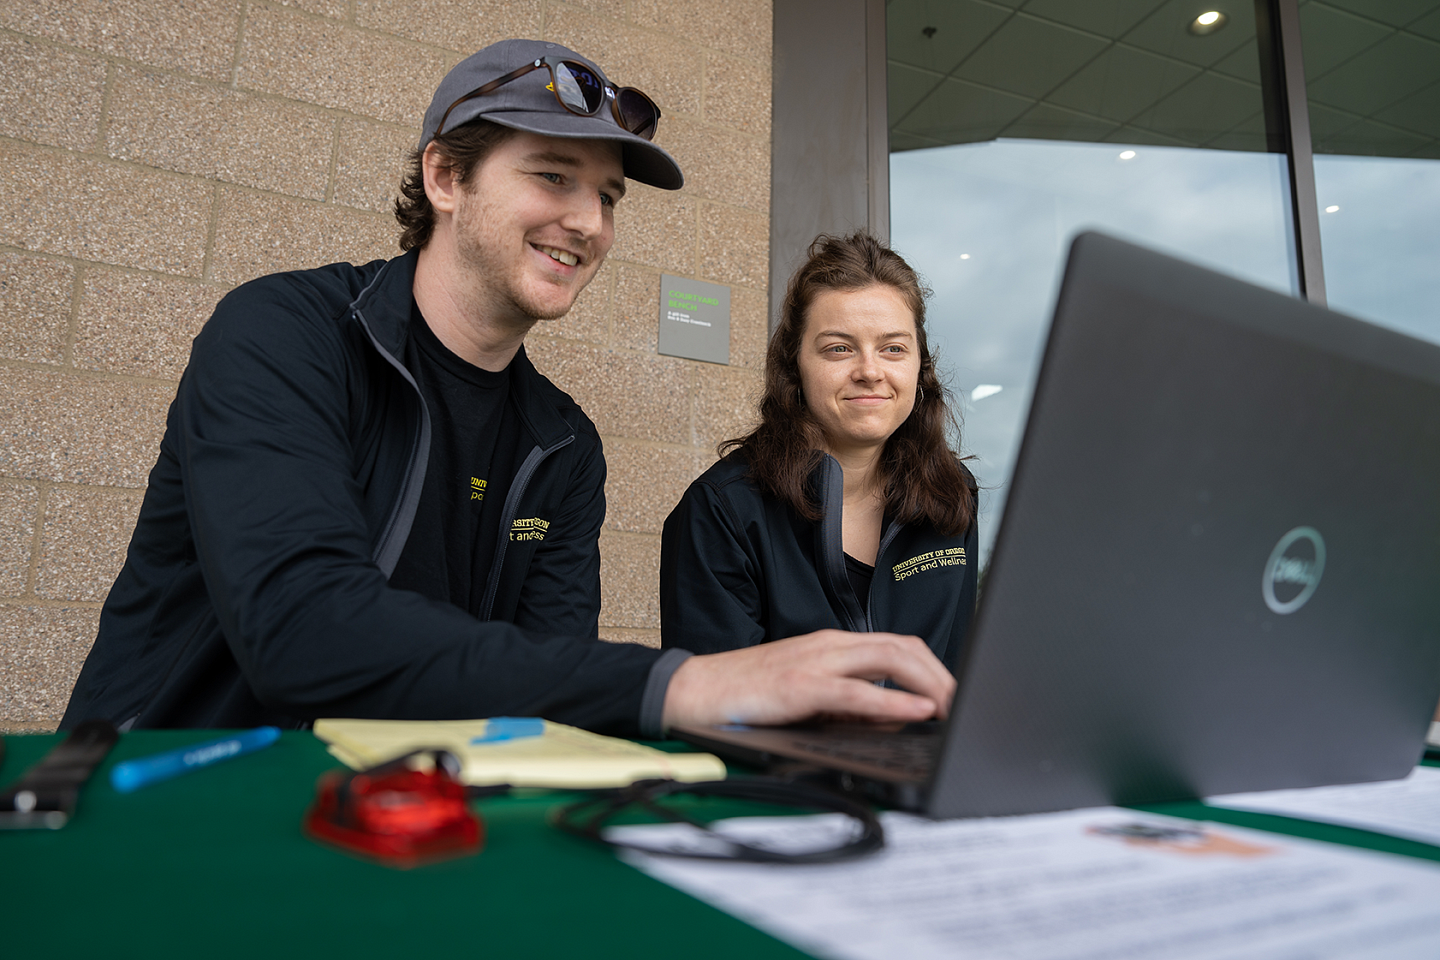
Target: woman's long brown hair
[(924, 479)]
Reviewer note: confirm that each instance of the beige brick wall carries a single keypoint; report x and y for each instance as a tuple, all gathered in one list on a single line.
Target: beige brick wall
[(155, 154)]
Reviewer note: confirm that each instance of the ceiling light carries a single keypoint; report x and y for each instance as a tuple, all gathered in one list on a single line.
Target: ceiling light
[(1208, 22), (964, 256), (1127, 154), (985, 390), (1332, 209)]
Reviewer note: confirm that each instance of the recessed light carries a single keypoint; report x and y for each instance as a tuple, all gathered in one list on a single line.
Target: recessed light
[(985, 390), (1127, 154), (964, 256), (1208, 22), (1332, 209)]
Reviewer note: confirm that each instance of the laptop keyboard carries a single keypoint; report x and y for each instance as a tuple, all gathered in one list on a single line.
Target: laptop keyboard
[(914, 756)]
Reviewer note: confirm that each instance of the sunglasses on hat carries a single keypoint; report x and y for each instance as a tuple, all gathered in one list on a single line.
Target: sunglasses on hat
[(582, 91)]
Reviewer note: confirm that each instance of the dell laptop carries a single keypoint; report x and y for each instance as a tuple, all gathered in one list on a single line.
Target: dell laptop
[(1218, 571)]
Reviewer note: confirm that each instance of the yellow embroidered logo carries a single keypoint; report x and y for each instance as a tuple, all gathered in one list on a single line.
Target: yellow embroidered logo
[(934, 560), (532, 529), (477, 488)]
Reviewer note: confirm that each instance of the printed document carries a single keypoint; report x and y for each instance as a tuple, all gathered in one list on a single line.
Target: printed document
[(1098, 884), (1407, 808)]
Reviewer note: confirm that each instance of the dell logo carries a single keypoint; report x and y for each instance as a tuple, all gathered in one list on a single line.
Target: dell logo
[(1294, 569)]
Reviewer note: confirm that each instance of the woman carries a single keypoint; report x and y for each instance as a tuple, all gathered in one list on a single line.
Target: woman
[(845, 508)]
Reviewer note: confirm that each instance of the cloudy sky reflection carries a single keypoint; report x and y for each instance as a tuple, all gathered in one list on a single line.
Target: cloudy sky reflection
[(1011, 207), (1382, 246)]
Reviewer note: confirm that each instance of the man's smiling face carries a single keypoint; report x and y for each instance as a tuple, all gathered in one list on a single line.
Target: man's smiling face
[(535, 220)]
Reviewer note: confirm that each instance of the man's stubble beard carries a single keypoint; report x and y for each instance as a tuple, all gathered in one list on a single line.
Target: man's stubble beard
[(476, 248)]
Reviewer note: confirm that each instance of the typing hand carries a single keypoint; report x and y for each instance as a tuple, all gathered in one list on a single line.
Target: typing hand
[(829, 671)]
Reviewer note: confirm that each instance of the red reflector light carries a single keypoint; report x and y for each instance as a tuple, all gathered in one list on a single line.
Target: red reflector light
[(397, 816)]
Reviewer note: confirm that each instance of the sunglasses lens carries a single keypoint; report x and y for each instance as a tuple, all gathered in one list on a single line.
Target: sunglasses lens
[(638, 113), (579, 88)]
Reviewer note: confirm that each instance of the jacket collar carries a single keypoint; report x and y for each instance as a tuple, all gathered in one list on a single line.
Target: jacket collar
[(384, 306), (535, 398)]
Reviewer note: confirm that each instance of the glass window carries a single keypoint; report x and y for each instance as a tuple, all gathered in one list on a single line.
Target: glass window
[(1014, 125), (1372, 71)]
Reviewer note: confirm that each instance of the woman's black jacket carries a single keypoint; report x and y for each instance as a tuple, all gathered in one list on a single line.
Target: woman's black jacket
[(739, 568)]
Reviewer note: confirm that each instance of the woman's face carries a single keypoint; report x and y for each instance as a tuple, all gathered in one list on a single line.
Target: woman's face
[(859, 363)]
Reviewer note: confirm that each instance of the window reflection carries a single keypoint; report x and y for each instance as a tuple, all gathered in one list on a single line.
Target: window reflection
[(988, 225), (1016, 124), (1373, 79)]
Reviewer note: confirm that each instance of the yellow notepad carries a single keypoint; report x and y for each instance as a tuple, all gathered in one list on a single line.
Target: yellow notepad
[(563, 757)]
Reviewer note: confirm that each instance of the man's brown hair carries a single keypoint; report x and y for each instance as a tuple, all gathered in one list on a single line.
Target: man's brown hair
[(461, 150), (924, 479)]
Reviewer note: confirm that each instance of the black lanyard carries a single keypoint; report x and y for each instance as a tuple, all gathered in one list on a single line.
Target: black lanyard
[(589, 817)]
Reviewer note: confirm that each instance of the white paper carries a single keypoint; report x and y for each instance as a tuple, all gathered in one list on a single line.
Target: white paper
[(1080, 885), (1403, 808)]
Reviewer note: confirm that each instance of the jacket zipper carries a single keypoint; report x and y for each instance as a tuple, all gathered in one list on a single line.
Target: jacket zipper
[(890, 534), (402, 515), (507, 518), (833, 549), (832, 543)]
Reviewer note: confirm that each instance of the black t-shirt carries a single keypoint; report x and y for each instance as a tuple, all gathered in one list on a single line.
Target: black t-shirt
[(859, 573), (475, 439)]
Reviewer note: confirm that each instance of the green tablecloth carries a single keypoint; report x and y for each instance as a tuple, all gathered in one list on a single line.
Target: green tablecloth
[(213, 864)]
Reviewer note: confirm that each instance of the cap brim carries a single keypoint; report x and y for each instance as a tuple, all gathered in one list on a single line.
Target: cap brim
[(643, 160)]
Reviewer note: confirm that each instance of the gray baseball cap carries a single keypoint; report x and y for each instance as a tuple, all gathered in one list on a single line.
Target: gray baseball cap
[(527, 103)]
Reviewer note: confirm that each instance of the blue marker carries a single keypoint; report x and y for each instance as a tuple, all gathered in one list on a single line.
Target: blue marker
[(510, 728), (134, 774)]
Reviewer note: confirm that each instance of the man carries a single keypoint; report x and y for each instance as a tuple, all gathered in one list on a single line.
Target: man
[(368, 503)]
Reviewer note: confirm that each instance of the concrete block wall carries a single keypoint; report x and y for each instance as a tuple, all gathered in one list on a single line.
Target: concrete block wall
[(155, 154)]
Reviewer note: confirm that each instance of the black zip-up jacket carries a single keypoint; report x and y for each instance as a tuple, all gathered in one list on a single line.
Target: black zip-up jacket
[(255, 587), (739, 568)]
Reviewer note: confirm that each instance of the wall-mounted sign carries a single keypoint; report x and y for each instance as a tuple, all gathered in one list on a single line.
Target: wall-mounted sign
[(694, 319)]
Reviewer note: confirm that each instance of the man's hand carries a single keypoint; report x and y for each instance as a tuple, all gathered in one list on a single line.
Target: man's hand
[(829, 671)]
